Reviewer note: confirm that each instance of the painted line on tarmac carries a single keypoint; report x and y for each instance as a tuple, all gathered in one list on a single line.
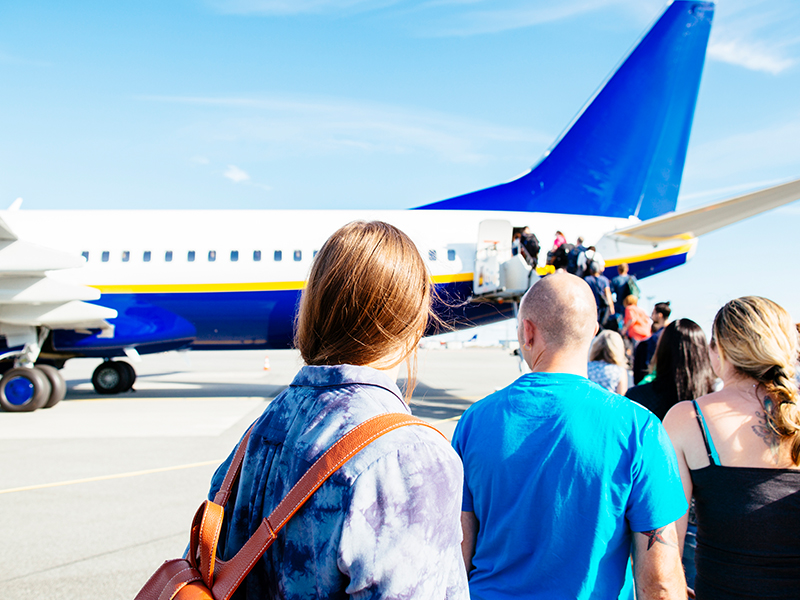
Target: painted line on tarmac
[(206, 463), (107, 477)]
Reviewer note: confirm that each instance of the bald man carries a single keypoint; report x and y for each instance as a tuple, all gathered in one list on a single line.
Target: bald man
[(563, 480)]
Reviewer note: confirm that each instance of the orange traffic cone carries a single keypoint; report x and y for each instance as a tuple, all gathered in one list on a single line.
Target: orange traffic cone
[(266, 363)]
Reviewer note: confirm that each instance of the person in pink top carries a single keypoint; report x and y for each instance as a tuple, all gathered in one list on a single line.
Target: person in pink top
[(559, 241), (636, 323)]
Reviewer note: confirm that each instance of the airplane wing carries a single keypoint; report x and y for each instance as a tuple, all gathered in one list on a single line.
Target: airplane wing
[(6, 235), (30, 298), (695, 222)]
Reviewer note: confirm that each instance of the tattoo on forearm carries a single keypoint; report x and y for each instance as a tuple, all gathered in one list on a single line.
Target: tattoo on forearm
[(766, 430), (656, 536)]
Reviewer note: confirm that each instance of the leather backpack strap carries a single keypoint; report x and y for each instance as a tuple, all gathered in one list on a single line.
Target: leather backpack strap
[(234, 468), (232, 573)]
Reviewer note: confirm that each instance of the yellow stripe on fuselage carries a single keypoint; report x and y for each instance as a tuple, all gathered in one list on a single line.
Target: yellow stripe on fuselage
[(452, 278), (197, 288), (265, 286), (613, 262)]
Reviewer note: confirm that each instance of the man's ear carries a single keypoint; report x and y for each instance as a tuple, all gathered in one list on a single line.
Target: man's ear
[(596, 329), (529, 333)]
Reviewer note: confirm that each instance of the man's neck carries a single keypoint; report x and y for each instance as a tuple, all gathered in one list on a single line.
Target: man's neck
[(560, 365)]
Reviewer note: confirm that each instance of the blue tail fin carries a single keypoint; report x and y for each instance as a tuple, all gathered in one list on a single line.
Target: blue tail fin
[(624, 153)]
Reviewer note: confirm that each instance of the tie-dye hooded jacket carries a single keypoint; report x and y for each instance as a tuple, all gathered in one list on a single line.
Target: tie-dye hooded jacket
[(386, 525)]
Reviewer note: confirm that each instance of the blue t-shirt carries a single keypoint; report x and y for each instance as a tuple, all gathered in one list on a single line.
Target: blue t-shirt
[(558, 472), (385, 525)]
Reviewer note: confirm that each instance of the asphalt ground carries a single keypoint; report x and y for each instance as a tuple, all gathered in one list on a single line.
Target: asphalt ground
[(97, 492)]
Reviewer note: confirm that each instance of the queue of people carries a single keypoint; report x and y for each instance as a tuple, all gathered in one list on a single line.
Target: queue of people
[(554, 485)]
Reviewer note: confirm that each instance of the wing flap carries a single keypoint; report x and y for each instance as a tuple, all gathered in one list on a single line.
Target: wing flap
[(69, 315), (41, 290)]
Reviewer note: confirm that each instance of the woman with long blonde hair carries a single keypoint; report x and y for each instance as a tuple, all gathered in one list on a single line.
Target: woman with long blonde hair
[(739, 454)]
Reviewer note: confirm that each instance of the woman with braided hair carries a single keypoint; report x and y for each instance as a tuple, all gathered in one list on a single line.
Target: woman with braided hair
[(739, 454)]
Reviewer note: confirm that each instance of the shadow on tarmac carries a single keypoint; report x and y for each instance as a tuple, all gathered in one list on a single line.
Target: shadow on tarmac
[(435, 404)]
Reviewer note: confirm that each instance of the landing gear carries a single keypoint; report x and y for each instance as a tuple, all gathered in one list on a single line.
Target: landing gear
[(24, 389), (113, 377), (57, 384)]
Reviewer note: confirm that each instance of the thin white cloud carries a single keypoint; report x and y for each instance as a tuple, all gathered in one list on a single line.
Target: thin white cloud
[(301, 126), (474, 18), (724, 193), (295, 7), (235, 174), (200, 160), (750, 55), (756, 35)]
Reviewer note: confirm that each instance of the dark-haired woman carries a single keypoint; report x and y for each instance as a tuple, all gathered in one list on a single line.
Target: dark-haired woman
[(387, 524), (739, 454), (682, 368)]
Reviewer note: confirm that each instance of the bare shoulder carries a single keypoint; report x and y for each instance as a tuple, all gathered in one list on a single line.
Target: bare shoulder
[(679, 417)]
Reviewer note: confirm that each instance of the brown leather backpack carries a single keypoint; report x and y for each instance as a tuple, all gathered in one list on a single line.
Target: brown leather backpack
[(201, 575)]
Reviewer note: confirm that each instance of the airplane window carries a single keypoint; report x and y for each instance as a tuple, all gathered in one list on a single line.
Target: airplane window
[(451, 255), (431, 254), (234, 255), (190, 256), (126, 256), (146, 256), (104, 256), (212, 255), (256, 255), (278, 255), (85, 255), (298, 255), (168, 256)]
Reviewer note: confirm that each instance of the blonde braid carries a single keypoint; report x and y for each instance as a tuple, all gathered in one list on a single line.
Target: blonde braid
[(758, 338)]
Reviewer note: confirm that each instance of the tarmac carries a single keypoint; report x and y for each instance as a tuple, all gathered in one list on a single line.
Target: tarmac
[(96, 492)]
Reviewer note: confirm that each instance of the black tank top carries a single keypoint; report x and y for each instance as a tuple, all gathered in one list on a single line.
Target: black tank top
[(748, 530)]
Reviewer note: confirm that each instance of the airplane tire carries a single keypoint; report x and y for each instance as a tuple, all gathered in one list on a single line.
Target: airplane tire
[(24, 389), (110, 377), (57, 383), (131, 373)]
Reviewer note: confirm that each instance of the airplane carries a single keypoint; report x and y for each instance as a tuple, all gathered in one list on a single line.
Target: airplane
[(116, 283)]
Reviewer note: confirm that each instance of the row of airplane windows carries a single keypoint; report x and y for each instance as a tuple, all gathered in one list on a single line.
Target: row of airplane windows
[(191, 255)]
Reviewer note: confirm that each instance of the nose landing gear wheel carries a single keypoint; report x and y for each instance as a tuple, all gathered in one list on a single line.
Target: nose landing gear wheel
[(112, 377), (24, 389)]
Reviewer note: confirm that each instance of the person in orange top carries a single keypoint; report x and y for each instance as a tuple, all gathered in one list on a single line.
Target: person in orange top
[(636, 323)]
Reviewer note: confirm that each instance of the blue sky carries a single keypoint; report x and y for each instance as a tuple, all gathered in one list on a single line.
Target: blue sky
[(381, 103)]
